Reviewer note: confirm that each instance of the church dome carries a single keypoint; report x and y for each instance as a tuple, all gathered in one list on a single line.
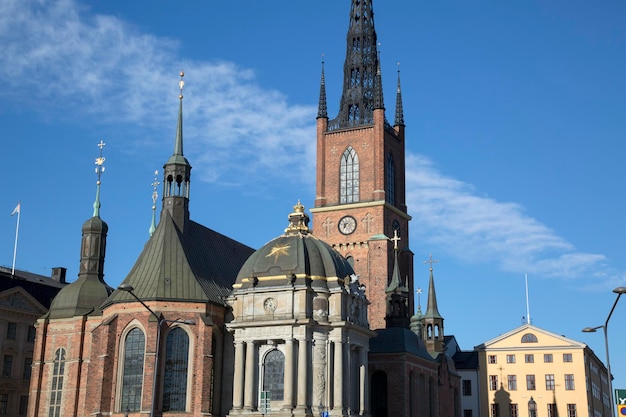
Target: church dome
[(293, 258)]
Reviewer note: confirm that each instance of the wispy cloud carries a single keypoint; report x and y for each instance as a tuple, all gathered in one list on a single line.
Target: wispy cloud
[(63, 59), (448, 214)]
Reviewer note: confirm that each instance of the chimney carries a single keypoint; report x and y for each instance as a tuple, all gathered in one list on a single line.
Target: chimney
[(58, 274)]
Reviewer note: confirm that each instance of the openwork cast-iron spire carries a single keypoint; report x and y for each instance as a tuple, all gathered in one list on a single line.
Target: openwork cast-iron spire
[(360, 69), (399, 109), (322, 111)]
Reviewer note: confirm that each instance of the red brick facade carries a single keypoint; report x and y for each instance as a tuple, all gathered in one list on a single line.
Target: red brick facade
[(371, 253), (93, 348)]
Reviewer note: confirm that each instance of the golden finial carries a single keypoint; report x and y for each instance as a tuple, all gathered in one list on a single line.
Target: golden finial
[(181, 83), (155, 194), (100, 161), (298, 220)]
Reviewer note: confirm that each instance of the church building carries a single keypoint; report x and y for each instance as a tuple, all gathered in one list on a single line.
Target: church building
[(317, 322)]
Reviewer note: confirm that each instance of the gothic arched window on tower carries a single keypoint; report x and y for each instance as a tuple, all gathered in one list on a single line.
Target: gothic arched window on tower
[(176, 367), (349, 177), (132, 374), (274, 374), (56, 390), (390, 181)]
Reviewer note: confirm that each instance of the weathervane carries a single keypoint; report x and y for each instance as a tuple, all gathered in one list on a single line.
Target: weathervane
[(155, 196), (99, 171), (100, 161), (155, 184), (181, 84)]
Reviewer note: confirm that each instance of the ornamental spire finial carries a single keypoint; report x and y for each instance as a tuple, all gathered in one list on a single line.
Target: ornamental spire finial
[(155, 196), (99, 171)]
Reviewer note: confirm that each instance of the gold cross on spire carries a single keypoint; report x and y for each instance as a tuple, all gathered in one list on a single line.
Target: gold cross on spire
[(431, 261), (395, 239)]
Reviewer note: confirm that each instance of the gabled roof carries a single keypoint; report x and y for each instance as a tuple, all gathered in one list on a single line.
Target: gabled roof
[(197, 265), (545, 338)]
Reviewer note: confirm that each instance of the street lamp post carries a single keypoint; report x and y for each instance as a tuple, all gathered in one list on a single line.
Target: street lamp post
[(160, 320), (619, 291)]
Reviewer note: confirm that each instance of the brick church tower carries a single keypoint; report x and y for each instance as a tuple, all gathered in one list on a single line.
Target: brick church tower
[(360, 192)]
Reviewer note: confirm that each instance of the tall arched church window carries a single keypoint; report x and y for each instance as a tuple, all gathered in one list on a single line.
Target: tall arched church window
[(390, 183), (176, 365), (349, 177), (56, 390), (132, 374), (274, 374)]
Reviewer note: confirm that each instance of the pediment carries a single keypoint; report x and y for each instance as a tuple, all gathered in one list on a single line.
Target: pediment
[(529, 337), (19, 300)]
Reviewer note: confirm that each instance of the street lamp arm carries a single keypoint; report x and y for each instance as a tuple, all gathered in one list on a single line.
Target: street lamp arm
[(129, 289)]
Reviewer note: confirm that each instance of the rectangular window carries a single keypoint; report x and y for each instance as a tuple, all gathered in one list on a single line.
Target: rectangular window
[(30, 337), (547, 357), (513, 412), (7, 366), (493, 382), (491, 359), (467, 413), (571, 410), (495, 410), (549, 382), (567, 357), (11, 331), (28, 365), (512, 382), (552, 410), (510, 358), (530, 382), (23, 405), (529, 358), (4, 402), (569, 382), (467, 387)]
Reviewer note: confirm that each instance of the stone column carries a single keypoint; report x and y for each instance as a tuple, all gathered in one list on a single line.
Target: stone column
[(238, 378), (288, 405), (303, 362), (363, 385), (319, 372), (249, 392), (338, 378)]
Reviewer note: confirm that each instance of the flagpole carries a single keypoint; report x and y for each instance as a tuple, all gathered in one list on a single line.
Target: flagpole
[(17, 230)]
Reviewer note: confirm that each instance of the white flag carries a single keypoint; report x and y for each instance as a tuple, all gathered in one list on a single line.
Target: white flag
[(16, 209)]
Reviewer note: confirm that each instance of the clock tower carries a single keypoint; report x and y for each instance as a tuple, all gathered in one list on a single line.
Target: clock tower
[(360, 183)]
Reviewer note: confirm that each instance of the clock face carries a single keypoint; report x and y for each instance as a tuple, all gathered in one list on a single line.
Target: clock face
[(269, 304), (347, 225)]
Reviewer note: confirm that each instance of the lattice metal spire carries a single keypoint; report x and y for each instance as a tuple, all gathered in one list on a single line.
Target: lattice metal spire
[(399, 109), (322, 110), (360, 69)]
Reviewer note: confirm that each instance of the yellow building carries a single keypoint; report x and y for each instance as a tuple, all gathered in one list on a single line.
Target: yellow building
[(559, 376)]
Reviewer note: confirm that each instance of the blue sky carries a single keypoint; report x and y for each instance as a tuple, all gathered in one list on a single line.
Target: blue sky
[(515, 138)]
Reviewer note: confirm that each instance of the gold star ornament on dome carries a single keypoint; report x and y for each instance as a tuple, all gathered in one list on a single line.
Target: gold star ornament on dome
[(277, 251)]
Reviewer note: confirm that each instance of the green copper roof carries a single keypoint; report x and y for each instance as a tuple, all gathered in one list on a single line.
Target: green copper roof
[(197, 265), (432, 312)]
